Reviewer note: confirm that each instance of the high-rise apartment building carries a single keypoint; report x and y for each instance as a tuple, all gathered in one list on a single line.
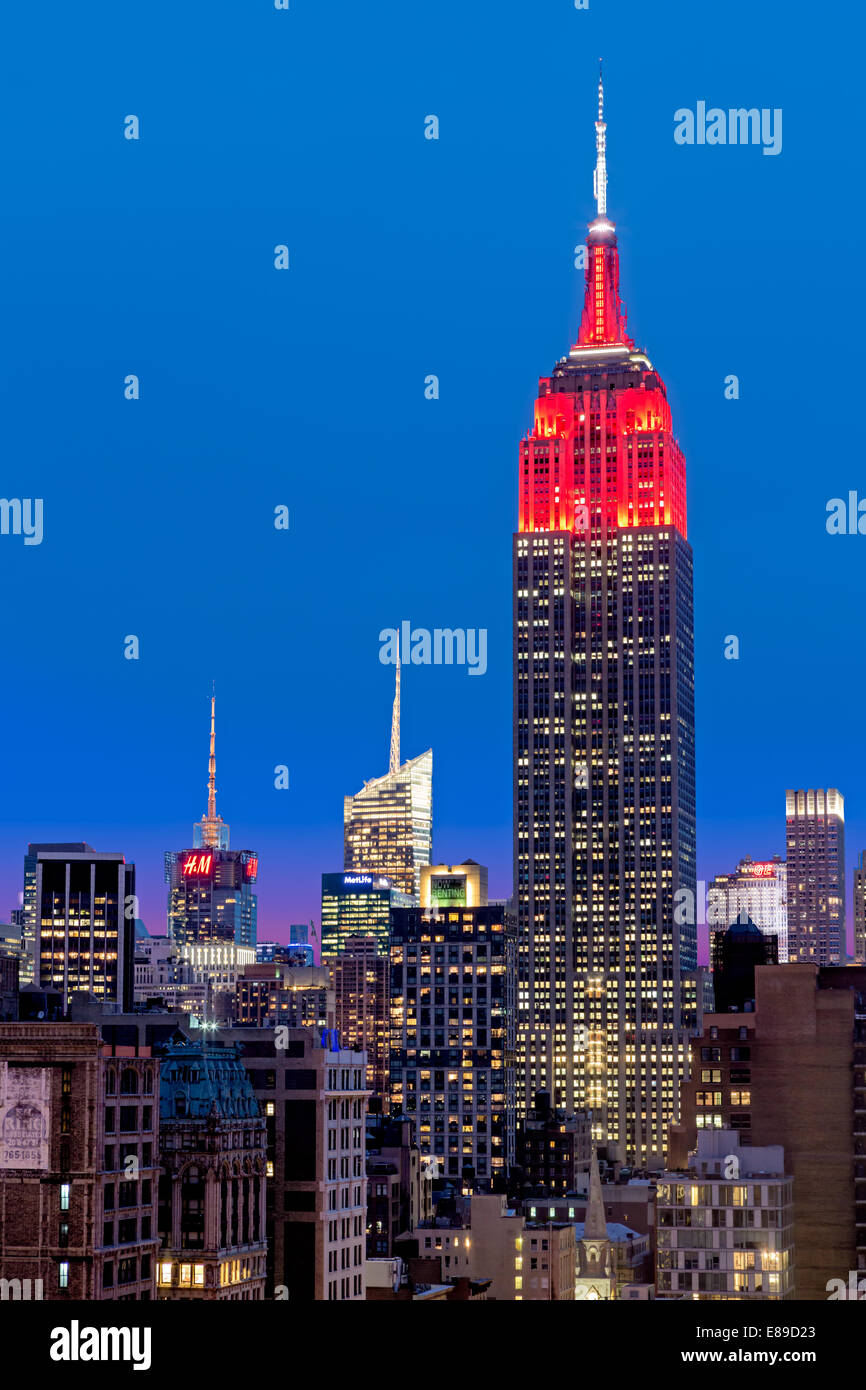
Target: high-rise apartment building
[(604, 773), (726, 1224), (388, 824), (757, 890), (296, 996), (360, 976), (452, 1035), (79, 926), (815, 823)]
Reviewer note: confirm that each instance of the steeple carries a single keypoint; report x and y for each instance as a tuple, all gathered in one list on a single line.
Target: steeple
[(595, 1274), (595, 1225), (394, 765), (211, 831)]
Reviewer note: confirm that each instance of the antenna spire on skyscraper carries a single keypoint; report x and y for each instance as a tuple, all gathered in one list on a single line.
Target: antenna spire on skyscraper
[(211, 767), (599, 178), (394, 765), (211, 830)]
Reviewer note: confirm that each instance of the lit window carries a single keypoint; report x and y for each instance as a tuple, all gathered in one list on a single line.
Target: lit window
[(185, 1276), (64, 1275), (165, 1273), (64, 1196), (198, 1276)]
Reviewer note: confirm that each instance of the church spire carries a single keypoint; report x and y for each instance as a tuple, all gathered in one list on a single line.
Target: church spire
[(595, 1226), (394, 765)]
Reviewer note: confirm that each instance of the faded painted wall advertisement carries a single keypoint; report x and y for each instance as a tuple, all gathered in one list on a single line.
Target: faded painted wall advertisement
[(25, 1112)]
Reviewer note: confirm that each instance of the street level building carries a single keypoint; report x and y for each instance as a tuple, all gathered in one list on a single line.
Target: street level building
[(78, 1164), (212, 1185)]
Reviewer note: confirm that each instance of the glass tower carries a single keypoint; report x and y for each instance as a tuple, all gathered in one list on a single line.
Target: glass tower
[(388, 824)]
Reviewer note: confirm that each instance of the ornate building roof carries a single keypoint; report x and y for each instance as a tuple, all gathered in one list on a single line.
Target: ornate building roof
[(199, 1080)]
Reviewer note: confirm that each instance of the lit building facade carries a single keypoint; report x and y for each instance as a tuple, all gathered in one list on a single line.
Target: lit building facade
[(604, 773), (388, 825), (297, 996), (210, 887), (815, 833), (360, 976), (757, 890), (452, 1036), (79, 928), (210, 897), (355, 904), (726, 1225)]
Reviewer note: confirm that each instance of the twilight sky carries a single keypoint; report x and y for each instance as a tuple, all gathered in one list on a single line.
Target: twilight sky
[(305, 388)]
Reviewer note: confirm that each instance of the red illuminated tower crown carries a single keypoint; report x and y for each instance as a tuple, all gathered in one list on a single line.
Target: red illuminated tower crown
[(602, 451)]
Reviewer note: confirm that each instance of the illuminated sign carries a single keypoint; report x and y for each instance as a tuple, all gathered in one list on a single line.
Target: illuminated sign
[(251, 866), (764, 870), (197, 866), (448, 889), (358, 880)]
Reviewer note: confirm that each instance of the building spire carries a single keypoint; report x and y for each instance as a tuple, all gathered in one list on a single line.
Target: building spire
[(595, 1225), (599, 177), (603, 323), (211, 831), (211, 767), (394, 765)]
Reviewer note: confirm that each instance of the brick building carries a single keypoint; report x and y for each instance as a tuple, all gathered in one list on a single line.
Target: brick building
[(78, 1162), (793, 1073)]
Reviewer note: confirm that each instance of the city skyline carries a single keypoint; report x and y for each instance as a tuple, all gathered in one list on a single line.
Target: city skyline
[(704, 230), (467, 343)]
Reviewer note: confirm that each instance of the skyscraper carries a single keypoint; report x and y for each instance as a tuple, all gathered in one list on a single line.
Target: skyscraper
[(358, 905), (388, 824), (604, 776), (757, 889), (452, 1027), (210, 895), (815, 832), (79, 925)]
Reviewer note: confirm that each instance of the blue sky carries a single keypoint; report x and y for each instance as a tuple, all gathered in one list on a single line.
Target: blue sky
[(306, 388)]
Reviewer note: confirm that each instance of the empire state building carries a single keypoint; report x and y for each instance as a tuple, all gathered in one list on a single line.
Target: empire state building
[(604, 734)]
